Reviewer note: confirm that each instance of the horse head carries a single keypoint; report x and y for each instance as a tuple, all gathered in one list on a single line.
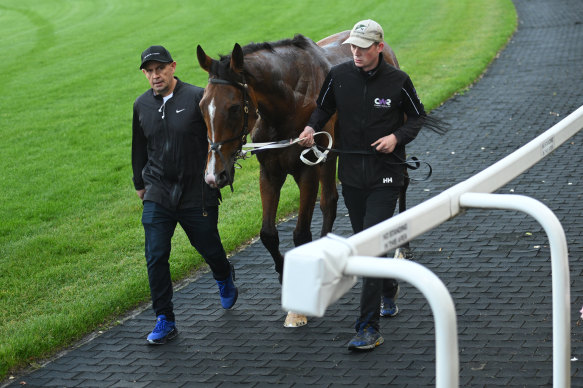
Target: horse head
[(229, 112)]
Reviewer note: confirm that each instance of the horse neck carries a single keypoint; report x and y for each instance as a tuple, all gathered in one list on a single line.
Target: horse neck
[(285, 91)]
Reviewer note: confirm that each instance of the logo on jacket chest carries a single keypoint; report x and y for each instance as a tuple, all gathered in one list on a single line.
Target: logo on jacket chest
[(382, 102)]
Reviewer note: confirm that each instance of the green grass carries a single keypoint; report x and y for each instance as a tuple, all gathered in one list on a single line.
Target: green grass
[(71, 241)]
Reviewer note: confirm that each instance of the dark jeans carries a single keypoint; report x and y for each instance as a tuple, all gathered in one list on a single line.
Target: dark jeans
[(159, 225), (365, 209)]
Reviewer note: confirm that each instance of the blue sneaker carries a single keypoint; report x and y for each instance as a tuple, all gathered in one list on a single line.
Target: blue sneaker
[(366, 339), (388, 306), (227, 290), (163, 332)]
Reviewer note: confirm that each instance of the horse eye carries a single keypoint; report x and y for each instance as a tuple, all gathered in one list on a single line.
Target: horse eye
[(234, 109)]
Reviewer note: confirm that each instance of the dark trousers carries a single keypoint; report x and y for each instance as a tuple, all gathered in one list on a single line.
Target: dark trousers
[(365, 209), (159, 225)]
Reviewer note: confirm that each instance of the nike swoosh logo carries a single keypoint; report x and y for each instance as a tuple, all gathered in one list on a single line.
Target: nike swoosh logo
[(180, 110)]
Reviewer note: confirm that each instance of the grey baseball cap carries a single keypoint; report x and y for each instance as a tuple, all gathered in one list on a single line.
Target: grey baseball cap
[(365, 33)]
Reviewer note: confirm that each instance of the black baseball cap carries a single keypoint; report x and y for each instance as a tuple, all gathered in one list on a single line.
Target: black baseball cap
[(156, 53)]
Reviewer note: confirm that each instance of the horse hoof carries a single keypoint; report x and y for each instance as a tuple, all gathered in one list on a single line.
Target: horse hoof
[(403, 253), (295, 320)]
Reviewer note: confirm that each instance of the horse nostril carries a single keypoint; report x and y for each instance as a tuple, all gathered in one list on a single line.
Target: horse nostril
[(222, 179)]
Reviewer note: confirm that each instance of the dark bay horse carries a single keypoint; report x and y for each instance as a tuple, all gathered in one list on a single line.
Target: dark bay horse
[(269, 90)]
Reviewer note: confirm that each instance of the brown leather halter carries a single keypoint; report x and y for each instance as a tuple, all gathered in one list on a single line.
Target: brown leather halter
[(242, 136)]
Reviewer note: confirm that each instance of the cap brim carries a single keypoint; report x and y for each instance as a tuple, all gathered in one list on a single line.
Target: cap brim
[(154, 60), (362, 43)]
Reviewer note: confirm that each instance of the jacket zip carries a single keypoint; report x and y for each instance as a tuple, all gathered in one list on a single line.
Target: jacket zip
[(167, 148)]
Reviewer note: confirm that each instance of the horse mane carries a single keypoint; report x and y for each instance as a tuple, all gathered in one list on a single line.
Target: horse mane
[(221, 67), (298, 41)]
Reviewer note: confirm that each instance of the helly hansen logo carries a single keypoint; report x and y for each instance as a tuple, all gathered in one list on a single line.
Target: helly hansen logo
[(382, 102), (388, 180)]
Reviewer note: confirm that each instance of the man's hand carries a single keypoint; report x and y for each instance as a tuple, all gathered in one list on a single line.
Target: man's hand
[(141, 193), (307, 137), (386, 144)]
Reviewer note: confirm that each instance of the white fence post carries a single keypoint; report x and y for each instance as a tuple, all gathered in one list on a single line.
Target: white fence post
[(318, 273), (559, 266), (442, 306)]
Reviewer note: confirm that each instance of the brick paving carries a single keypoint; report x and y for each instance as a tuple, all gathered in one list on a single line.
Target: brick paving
[(495, 264)]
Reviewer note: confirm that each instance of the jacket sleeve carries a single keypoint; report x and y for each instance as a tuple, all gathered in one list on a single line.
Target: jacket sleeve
[(415, 112), (139, 150), (325, 105)]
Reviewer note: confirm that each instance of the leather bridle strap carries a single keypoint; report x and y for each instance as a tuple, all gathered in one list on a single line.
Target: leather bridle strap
[(242, 136), (245, 129)]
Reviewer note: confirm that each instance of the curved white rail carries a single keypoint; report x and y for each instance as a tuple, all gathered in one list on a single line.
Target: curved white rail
[(314, 274), (446, 344), (559, 266)]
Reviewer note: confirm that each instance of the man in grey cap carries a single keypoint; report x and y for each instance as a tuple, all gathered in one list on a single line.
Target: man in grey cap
[(169, 149), (378, 114)]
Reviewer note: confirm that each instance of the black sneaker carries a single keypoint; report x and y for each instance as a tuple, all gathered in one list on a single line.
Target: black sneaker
[(388, 306), (366, 339)]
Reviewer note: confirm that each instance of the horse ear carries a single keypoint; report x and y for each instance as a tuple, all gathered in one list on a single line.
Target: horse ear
[(237, 59), (203, 60)]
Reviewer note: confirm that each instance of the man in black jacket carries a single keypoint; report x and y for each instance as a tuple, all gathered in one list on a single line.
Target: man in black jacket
[(372, 100), (169, 148)]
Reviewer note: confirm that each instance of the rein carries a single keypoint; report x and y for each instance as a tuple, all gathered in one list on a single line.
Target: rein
[(412, 163), (321, 156), (321, 152)]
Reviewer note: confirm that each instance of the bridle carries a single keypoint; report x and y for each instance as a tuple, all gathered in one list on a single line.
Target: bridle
[(242, 136)]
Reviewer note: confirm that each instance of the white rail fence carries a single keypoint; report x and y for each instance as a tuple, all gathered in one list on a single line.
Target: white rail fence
[(319, 273)]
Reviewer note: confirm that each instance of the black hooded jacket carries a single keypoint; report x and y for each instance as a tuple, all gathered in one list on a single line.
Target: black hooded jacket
[(370, 105), (169, 149)]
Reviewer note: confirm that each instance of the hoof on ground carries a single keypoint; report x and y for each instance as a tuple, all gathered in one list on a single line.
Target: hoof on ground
[(403, 253), (295, 320)]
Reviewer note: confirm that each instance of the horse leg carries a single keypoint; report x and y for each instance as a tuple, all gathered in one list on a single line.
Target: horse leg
[(328, 194), (307, 181), (270, 189)]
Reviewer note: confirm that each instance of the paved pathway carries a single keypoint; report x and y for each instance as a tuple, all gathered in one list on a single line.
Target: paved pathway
[(495, 264)]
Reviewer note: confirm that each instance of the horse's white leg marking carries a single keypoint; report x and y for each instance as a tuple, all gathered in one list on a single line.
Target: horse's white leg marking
[(295, 320)]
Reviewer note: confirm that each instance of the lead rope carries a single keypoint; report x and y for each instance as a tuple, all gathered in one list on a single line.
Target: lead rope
[(412, 163), (321, 156)]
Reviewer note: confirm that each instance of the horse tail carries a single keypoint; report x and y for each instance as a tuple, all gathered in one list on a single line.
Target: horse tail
[(436, 124)]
